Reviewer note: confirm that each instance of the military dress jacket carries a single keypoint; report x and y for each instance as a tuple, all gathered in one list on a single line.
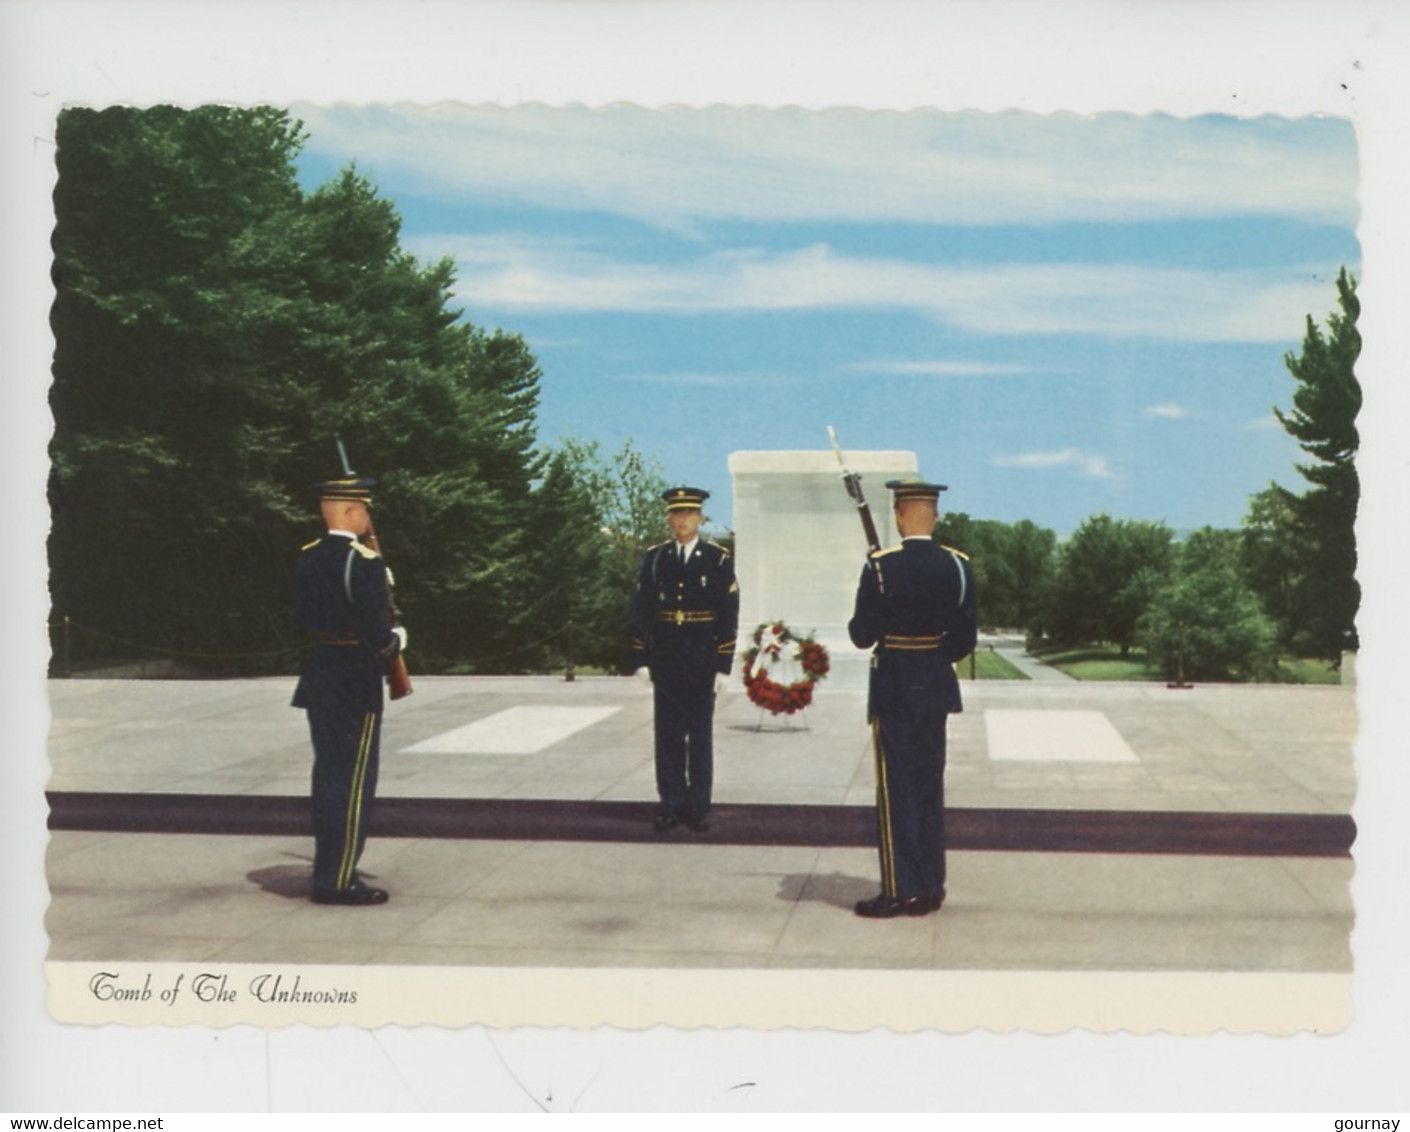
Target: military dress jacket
[(916, 607), (685, 616), (340, 590)]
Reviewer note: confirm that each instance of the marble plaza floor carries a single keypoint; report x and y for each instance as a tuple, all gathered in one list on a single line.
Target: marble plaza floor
[(706, 900)]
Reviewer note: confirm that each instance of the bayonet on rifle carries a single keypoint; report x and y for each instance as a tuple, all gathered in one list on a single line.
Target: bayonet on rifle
[(398, 680), (343, 455), (853, 482)]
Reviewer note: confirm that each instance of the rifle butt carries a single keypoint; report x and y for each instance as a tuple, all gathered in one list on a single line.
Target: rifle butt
[(398, 680)]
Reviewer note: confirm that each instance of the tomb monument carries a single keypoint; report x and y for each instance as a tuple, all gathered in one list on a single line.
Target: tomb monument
[(799, 546)]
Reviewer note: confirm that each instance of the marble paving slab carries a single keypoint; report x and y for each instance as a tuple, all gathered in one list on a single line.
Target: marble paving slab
[(523, 730), (1025, 735)]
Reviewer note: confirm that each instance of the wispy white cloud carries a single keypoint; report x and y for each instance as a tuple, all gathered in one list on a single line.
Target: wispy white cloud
[(675, 167), (952, 368), (1084, 462), (704, 380), (1167, 412), (513, 272)]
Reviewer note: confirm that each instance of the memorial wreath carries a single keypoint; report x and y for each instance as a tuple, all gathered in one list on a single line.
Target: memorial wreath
[(768, 646)]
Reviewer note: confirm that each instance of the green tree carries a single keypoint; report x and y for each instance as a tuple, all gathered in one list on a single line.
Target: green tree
[(1206, 623), (598, 515), (1323, 422), (1106, 576), (215, 328), (1272, 559), (167, 433), (1012, 564)]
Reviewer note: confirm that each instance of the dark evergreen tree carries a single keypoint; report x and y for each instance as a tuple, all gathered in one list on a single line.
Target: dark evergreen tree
[(1323, 421), (168, 427), (215, 329)]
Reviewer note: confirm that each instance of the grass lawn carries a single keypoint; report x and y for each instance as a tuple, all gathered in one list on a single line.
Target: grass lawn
[(1299, 670), (1093, 663), (988, 665), (1098, 663)]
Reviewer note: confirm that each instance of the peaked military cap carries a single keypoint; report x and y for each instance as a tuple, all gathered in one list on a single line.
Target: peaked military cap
[(685, 498), (354, 489), (903, 491)]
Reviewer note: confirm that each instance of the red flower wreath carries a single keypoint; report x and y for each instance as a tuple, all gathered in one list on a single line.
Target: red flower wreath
[(769, 641)]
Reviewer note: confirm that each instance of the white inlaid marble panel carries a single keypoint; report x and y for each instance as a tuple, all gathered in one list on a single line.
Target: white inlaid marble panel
[(1054, 736), (515, 731)]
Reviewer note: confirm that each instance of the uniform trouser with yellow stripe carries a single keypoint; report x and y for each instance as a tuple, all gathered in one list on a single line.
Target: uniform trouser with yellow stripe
[(910, 803), (345, 755)]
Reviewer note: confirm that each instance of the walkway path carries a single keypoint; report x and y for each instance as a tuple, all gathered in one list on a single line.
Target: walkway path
[(1033, 668)]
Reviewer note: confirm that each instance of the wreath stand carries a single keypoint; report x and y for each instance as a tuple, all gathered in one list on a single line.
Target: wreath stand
[(773, 643), (797, 721)]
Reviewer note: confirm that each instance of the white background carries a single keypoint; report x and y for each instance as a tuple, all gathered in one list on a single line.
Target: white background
[(1290, 58)]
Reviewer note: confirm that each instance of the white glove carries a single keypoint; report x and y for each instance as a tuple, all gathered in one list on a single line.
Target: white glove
[(643, 675), (400, 634), (721, 683)]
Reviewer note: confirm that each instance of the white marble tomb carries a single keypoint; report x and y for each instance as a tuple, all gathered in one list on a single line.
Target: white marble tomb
[(799, 546)]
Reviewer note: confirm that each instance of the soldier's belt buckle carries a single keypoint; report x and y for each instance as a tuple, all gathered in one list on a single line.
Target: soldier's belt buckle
[(680, 616)]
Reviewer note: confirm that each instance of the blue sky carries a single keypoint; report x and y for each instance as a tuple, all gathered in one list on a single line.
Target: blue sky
[(1059, 315)]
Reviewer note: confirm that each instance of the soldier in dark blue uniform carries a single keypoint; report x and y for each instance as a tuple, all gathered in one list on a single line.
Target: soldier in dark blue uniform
[(685, 617), (341, 594), (916, 606)]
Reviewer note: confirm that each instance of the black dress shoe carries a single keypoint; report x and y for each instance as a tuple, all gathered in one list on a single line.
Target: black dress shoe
[(356, 893), (700, 825), (929, 903), (885, 907), (664, 824)]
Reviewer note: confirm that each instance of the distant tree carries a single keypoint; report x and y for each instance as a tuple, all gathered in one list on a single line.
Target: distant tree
[(1205, 622), (1323, 421), (1106, 575), (596, 515), (629, 489), (1012, 565), (1273, 560), (577, 596)]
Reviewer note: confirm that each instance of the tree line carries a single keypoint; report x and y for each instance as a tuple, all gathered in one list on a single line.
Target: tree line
[(1218, 604), (216, 326)]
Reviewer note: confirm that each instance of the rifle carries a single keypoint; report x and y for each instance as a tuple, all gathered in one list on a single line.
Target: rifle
[(853, 481), (398, 680)]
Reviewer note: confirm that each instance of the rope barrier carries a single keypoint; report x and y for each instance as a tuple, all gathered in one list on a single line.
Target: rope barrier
[(434, 659), (164, 651), (499, 655)]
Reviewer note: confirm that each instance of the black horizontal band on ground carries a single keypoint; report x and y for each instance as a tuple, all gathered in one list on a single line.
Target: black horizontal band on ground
[(508, 819)]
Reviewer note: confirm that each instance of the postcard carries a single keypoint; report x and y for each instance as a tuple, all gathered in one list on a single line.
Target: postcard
[(1094, 328)]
